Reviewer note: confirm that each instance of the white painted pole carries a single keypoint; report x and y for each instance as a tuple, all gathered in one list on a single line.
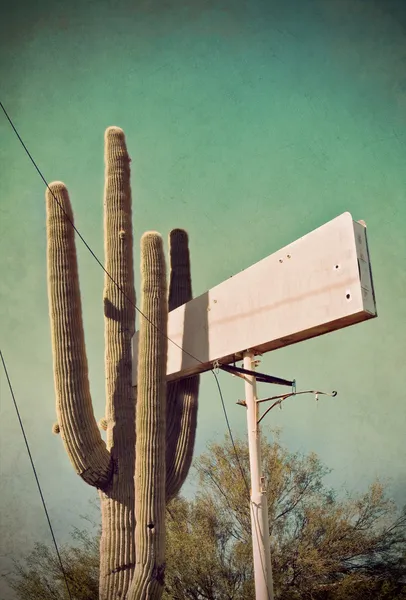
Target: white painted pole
[(259, 506)]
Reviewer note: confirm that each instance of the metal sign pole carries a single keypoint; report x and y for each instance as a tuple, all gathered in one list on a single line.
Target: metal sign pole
[(258, 505)]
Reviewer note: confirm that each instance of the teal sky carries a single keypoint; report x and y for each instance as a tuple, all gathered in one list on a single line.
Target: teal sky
[(249, 124)]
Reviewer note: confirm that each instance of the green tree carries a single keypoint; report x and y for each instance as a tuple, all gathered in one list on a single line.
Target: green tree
[(39, 576), (325, 546)]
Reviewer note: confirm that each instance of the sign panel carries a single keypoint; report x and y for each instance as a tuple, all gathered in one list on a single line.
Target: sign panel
[(319, 283)]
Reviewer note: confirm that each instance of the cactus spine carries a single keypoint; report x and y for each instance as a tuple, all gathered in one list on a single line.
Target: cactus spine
[(134, 474)]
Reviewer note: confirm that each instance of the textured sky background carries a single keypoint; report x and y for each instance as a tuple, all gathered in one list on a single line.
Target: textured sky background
[(249, 124)]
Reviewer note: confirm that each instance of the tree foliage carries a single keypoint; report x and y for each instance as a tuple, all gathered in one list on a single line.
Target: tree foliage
[(325, 546), (39, 576)]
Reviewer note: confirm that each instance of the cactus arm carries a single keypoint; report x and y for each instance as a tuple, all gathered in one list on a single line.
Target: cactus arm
[(182, 396), (150, 501), (81, 437), (117, 545), (182, 404)]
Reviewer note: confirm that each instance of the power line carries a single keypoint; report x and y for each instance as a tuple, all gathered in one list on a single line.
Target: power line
[(35, 473), (231, 435), (120, 288), (117, 284), (134, 306), (86, 244)]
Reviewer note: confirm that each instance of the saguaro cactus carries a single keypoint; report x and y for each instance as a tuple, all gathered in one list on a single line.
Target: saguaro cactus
[(146, 457)]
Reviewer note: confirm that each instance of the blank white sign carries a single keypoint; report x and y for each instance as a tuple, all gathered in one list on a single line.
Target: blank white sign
[(319, 283)]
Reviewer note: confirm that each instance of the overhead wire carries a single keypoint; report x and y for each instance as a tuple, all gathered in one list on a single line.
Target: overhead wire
[(83, 240), (117, 284), (35, 473)]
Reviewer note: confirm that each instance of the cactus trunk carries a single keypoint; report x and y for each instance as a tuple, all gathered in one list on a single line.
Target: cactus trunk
[(117, 547)]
